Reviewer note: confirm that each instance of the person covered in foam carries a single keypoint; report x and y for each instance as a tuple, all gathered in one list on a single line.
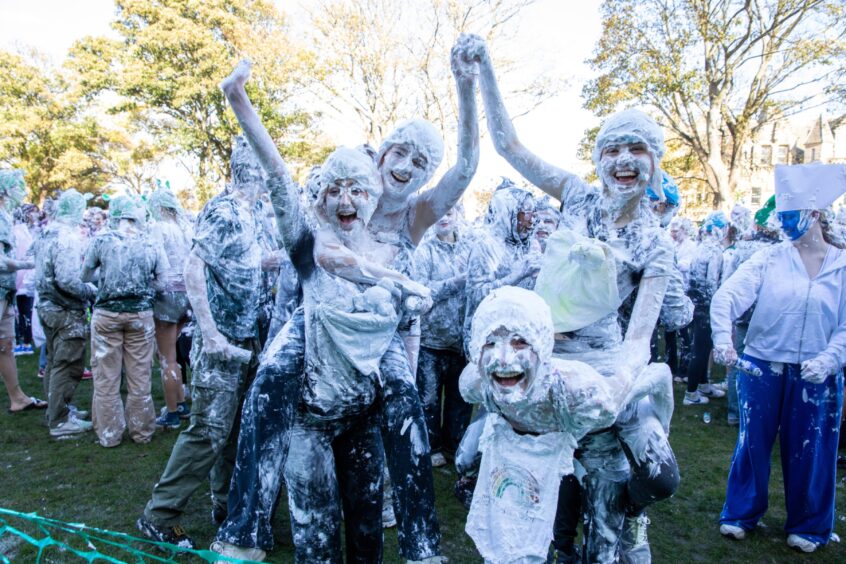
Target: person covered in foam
[(324, 341), (539, 407), (627, 153)]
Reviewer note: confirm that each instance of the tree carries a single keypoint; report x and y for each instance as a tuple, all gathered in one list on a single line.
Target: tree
[(165, 70), (50, 132), (714, 71), (386, 61)]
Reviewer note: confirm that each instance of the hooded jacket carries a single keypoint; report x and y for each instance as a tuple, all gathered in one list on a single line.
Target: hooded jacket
[(498, 249), (796, 318)]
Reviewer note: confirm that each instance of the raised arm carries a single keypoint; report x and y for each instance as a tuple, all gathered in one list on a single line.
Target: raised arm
[(542, 174), (434, 203)]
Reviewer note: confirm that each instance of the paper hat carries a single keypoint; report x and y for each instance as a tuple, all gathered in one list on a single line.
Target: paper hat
[(808, 187)]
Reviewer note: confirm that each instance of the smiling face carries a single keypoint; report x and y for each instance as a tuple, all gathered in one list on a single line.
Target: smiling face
[(344, 201), (509, 363), (404, 169), (445, 226), (547, 223), (625, 167)]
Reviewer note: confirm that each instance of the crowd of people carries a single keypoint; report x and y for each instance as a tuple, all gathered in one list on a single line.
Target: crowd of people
[(349, 334)]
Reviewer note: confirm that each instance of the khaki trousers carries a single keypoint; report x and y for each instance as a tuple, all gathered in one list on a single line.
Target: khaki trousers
[(122, 340)]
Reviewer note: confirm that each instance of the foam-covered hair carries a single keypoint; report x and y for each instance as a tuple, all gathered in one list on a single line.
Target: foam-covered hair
[(162, 198), (70, 207), (418, 133), (243, 160), (715, 220), (12, 186), (345, 163), (127, 207), (518, 310)]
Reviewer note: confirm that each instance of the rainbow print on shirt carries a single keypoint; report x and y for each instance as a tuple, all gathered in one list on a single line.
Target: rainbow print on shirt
[(516, 483)]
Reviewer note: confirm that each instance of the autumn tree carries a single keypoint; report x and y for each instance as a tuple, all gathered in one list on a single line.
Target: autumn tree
[(714, 71), (163, 73), (50, 132)]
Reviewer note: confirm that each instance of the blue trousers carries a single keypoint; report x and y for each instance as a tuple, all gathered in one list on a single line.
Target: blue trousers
[(806, 417)]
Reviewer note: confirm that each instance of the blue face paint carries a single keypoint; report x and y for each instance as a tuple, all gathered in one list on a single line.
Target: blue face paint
[(795, 223)]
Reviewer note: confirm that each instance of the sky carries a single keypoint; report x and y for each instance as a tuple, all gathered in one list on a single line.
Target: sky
[(560, 31)]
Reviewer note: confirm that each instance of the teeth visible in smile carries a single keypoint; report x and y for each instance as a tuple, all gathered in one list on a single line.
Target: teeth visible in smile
[(625, 173), (399, 177)]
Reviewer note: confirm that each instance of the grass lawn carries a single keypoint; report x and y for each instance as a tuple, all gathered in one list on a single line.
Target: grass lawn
[(78, 481)]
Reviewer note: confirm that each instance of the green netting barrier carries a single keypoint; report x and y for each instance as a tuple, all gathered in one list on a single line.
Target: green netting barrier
[(89, 544)]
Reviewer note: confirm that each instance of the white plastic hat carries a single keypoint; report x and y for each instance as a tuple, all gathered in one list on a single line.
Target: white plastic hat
[(808, 187)]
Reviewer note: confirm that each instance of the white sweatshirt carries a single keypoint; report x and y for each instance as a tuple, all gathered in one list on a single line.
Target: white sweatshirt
[(795, 318)]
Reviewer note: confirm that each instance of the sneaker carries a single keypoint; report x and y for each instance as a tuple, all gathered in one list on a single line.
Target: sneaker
[(72, 426), (733, 421), (184, 410), (172, 535), (236, 552), (168, 419), (18, 350), (720, 385), (438, 460), (41, 373), (87, 374), (78, 413), (27, 350), (634, 543), (694, 398), (389, 519), (801, 543), (732, 531), (680, 379), (219, 515), (710, 391)]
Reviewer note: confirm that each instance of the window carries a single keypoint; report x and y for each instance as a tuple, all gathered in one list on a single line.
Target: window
[(756, 196), (781, 155), (813, 155), (766, 155)]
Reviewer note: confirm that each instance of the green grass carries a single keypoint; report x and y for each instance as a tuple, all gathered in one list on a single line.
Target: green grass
[(78, 481)]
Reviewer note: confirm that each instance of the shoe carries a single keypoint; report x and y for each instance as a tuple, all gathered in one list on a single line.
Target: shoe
[(733, 421), (41, 373), (634, 543), (72, 426), (219, 515), (710, 391), (168, 420), (184, 410), (87, 374), (389, 519), (27, 350), (801, 543), (172, 535), (720, 386), (236, 552), (438, 460), (77, 413), (18, 350), (694, 398), (732, 531), (679, 379)]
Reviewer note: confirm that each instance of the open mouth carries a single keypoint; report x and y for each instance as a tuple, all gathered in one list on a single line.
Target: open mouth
[(508, 379), (401, 178), (626, 177), (347, 219)]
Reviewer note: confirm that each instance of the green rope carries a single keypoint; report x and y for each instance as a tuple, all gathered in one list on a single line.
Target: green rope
[(92, 537)]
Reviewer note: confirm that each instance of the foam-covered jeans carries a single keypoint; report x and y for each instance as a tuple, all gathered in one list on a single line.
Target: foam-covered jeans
[(437, 376)]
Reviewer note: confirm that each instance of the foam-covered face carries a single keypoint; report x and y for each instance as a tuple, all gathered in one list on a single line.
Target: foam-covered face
[(796, 223), (509, 364), (251, 182), (547, 223), (446, 225), (347, 205), (626, 167), (404, 169), (677, 233)]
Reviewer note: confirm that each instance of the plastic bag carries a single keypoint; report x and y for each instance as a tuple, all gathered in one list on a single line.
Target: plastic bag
[(578, 280)]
